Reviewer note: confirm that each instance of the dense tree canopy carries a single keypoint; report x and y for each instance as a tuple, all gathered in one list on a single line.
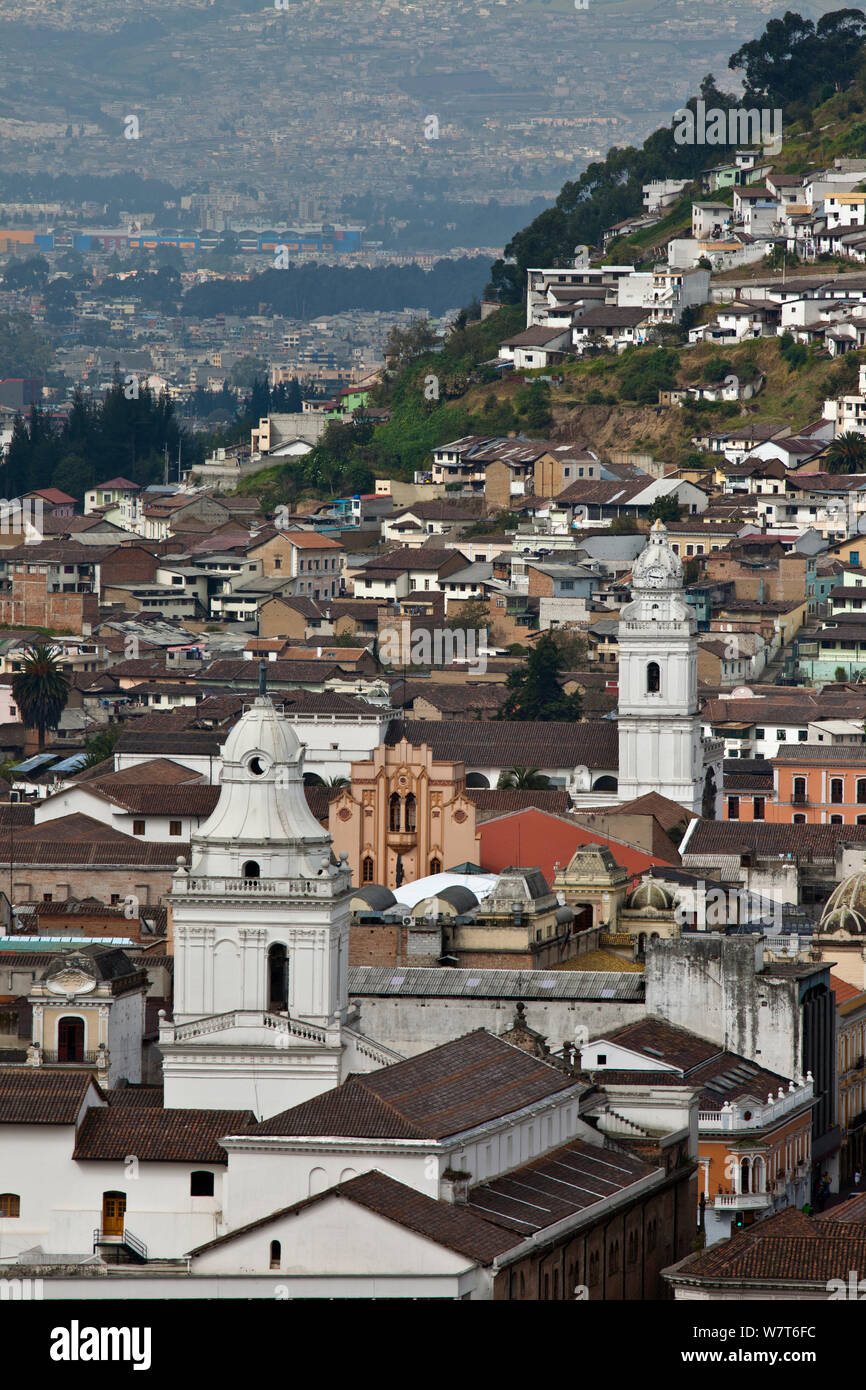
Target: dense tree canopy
[(534, 692)]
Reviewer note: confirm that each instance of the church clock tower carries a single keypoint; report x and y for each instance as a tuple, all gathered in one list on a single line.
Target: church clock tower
[(261, 941), (660, 744)]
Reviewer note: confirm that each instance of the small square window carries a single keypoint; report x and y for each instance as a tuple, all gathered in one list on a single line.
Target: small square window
[(175, 827), (139, 827)]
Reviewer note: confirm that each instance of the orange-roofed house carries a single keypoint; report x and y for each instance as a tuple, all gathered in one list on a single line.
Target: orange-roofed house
[(851, 1078), (533, 836), (312, 564)]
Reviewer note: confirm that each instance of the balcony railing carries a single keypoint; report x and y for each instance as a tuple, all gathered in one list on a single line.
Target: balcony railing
[(82, 1058), (254, 887), (743, 1201)]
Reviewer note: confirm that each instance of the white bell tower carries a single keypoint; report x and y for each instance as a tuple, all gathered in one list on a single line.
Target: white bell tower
[(261, 940), (660, 744)]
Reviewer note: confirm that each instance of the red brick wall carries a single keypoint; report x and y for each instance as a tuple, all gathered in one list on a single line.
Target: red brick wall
[(31, 605), (376, 945)]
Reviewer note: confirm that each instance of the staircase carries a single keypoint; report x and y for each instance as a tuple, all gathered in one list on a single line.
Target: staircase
[(124, 1249), (612, 1123)]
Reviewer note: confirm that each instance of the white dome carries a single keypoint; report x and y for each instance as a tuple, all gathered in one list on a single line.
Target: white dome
[(262, 817), (261, 730), (657, 567)]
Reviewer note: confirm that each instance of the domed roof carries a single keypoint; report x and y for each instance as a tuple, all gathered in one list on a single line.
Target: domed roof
[(657, 567), (261, 825), (650, 894), (845, 909), (262, 731)]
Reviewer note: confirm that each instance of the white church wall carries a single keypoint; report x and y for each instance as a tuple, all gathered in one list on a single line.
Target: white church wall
[(261, 1182), (334, 1237), (414, 1025)]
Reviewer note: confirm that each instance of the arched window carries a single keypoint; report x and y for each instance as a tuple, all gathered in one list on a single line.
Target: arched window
[(435, 866), (278, 978), (276, 1254), (605, 784), (394, 812), (746, 1175), (366, 869), (836, 790), (861, 790), (411, 818), (10, 1204), (201, 1183), (251, 869), (70, 1040), (653, 678)]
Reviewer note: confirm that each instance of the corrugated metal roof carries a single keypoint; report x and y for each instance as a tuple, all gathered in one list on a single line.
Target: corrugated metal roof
[(442, 981)]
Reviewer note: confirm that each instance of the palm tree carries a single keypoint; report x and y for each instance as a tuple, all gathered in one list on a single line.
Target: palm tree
[(40, 689), (523, 779), (339, 782), (847, 453)]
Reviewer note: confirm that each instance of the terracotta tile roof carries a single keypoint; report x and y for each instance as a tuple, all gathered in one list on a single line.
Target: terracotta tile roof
[(135, 1096), (854, 1210), (554, 1187), (501, 800), (789, 1248), (769, 840), (591, 743), (310, 540), (158, 1136), (83, 841), (156, 772), (454, 1227), (701, 1063), (842, 990), (31, 1097), (247, 672), (77, 826), (450, 1088), (455, 699), (181, 799)]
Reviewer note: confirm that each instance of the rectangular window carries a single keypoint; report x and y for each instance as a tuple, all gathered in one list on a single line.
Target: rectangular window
[(733, 808), (138, 827), (758, 808), (174, 827)]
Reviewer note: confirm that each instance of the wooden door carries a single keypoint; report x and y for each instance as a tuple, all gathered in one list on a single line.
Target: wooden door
[(113, 1212)]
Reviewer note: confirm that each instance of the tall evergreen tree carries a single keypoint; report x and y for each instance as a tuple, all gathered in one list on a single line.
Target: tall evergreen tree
[(534, 692)]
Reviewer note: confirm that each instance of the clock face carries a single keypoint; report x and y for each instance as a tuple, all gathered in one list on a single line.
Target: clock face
[(654, 575)]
